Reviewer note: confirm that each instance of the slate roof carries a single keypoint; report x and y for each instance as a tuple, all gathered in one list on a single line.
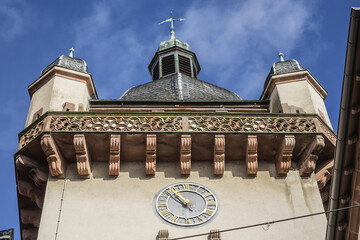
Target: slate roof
[(179, 87), (284, 67), (71, 63)]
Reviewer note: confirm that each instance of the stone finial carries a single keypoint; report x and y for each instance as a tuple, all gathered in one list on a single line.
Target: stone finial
[(281, 56), (185, 154), (71, 52), (219, 155)]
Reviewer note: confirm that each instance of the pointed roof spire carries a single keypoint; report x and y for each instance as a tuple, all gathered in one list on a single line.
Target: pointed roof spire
[(171, 20), (71, 52), (281, 56)]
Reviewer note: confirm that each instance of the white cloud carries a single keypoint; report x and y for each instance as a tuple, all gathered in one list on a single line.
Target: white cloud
[(236, 42), (13, 18), (239, 41)]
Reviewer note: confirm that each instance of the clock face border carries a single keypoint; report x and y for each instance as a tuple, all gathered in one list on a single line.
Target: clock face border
[(166, 215)]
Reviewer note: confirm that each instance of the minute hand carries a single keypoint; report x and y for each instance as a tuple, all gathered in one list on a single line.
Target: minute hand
[(186, 201)]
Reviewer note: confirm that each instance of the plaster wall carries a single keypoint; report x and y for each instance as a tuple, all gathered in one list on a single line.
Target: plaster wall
[(53, 94), (102, 207), (319, 106), (40, 99)]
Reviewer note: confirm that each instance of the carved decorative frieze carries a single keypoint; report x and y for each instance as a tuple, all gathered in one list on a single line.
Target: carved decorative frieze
[(251, 155), (240, 124), (54, 157), (284, 155), (251, 124), (82, 155), (31, 167), (30, 216), (323, 172), (219, 155), (163, 234), (31, 134), (31, 191), (150, 154), (115, 124), (308, 158), (185, 154), (114, 161)]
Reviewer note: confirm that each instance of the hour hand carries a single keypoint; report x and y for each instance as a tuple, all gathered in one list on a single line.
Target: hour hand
[(186, 201)]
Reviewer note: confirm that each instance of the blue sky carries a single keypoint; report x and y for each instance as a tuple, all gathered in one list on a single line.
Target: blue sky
[(236, 43)]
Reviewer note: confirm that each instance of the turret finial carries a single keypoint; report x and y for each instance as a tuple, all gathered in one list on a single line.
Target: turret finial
[(281, 56), (71, 50), (172, 20)]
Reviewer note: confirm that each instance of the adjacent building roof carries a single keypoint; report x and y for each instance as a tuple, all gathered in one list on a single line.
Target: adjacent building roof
[(71, 63), (179, 87)]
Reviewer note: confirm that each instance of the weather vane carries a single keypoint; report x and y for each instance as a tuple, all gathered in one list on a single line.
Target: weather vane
[(171, 20)]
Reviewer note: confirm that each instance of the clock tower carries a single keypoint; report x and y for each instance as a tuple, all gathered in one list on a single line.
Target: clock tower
[(173, 157)]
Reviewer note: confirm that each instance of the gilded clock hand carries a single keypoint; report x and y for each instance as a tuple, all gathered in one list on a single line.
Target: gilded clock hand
[(186, 201), (178, 200)]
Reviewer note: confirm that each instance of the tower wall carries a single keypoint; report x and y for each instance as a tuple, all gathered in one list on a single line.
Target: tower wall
[(102, 207), (58, 92)]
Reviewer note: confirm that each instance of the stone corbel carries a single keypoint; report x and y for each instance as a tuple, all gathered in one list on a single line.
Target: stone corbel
[(308, 158), (185, 154), (163, 234), (30, 216), (251, 155), (284, 155), (114, 161), (150, 154), (323, 172), (29, 190), (219, 155), (82, 155), (29, 233), (214, 235), (32, 168), (57, 163)]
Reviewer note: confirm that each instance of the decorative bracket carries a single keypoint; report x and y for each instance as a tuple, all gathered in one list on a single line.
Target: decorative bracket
[(32, 168), (29, 190), (251, 155), (150, 154), (308, 158), (163, 234), (323, 172), (284, 155), (82, 155), (114, 162), (185, 154), (55, 159), (219, 155), (214, 235), (31, 216)]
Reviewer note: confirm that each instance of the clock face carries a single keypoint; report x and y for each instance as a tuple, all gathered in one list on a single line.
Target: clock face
[(186, 204)]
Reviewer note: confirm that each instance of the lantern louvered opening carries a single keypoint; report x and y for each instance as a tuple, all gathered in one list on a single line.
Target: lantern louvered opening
[(156, 72), (168, 65), (194, 71), (184, 65)]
